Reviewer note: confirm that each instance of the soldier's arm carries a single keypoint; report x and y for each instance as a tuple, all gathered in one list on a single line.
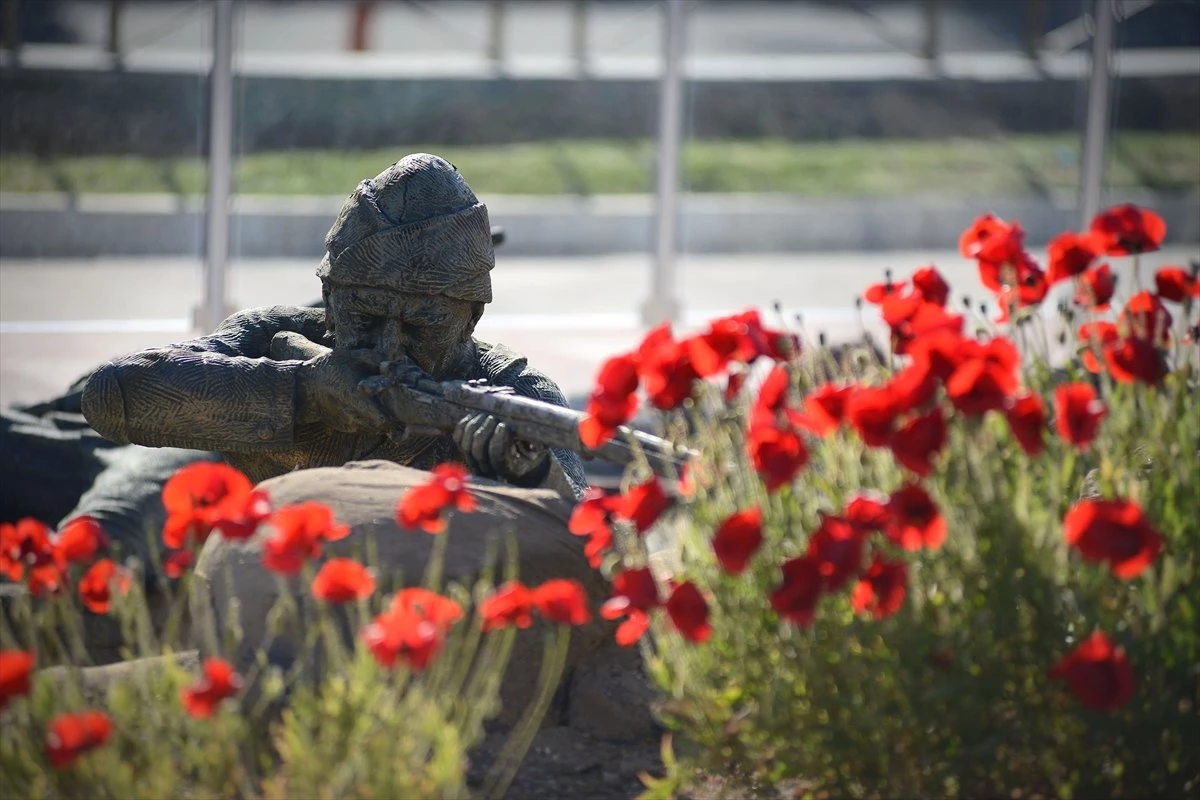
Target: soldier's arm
[(219, 392), (566, 475)]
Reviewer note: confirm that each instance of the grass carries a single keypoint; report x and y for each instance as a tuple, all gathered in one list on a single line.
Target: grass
[(1013, 164)]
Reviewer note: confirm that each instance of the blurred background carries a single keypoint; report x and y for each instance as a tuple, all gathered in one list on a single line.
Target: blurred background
[(164, 163)]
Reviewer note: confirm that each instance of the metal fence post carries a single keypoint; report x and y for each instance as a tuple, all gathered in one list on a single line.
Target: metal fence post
[(215, 306), (114, 27), (495, 41), (663, 306), (1095, 139), (931, 45), (579, 44), (12, 27)]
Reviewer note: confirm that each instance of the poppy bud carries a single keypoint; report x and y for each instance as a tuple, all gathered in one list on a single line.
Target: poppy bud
[(821, 338), (778, 306), (887, 274), (966, 301), (858, 301)]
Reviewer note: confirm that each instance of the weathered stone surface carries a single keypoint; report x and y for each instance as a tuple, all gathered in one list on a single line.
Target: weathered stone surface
[(364, 495)]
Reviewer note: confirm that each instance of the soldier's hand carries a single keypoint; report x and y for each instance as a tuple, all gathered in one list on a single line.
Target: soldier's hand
[(330, 392), (491, 450)]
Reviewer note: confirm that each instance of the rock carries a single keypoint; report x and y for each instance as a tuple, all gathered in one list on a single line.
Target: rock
[(364, 495), (96, 682), (610, 697)]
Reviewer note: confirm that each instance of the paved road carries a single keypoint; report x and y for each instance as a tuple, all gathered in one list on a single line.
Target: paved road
[(58, 319)]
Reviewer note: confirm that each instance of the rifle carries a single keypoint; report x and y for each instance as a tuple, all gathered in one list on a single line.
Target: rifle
[(428, 407)]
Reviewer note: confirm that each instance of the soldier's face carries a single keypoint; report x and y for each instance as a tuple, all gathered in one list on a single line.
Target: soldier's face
[(428, 330)]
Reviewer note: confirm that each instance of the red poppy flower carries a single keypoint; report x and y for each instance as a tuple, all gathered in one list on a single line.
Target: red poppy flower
[(1135, 360), (665, 368), (919, 441), (876, 293), (1095, 287), (80, 539), (824, 408), (561, 600), (71, 735), (95, 587), (423, 506), (217, 682), (772, 397), (688, 611), (632, 588), (592, 517), (16, 671), (734, 385), (635, 593), (299, 531), (1097, 673), (1095, 338), (778, 454), (913, 386), (411, 631), (940, 353), (1028, 287), (882, 588), (402, 637), (1027, 420), (27, 543), (738, 539), (728, 339), (872, 412), (613, 401), (931, 285), (911, 318), (868, 512), (1176, 284), (1069, 255), (978, 387), (1077, 413), (441, 611), (1145, 317), (511, 604), (207, 495), (915, 521), (341, 580), (796, 598), (643, 504), (990, 239), (763, 341), (1126, 229), (176, 562), (1115, 531), (836, 547)]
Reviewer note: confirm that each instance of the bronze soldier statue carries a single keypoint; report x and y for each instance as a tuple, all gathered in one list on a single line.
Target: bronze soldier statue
[(405, 280)]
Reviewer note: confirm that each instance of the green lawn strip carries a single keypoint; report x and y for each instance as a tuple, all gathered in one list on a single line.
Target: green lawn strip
[(1014, 164)]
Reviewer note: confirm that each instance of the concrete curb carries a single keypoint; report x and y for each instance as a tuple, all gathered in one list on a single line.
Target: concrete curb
[(58, 226)]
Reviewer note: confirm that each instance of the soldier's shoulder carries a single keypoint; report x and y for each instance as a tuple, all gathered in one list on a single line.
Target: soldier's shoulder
[(504, 366), (301, 319)]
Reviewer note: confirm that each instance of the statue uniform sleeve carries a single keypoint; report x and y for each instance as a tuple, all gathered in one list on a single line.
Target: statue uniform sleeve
[(505, 367), (219, 392)]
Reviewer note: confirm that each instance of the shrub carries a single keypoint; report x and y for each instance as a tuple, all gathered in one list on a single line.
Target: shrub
[(394, 716), (965, 568)]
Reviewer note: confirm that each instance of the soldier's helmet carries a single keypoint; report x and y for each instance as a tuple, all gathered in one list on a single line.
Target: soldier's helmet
[(416, 227)]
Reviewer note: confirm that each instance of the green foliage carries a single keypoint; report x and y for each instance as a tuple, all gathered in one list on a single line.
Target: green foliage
[(892, 167), (359, 731), (950, 695)]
